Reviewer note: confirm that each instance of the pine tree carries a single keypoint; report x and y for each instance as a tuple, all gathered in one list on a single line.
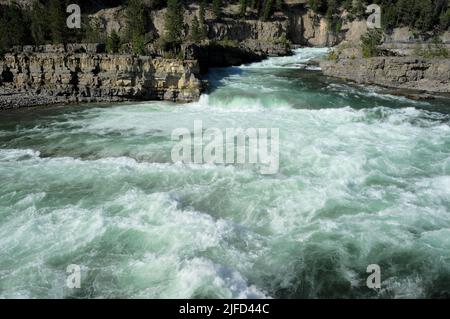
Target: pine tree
[(444, 20), (203, 31), (389, 17), (56, 21), (13, 27), (217, 9), (257, 5), (174, 20), (267, 12), (38, 25), (94, 33), (279, 5), (404, 16), (135, 14), (370, 42), (3, 45), (138, 44), (347, 4), (136, 22), (424, 13), (113, 43), (242, 8), (358, 8), (195, 30), (331, 10), (318, 6)]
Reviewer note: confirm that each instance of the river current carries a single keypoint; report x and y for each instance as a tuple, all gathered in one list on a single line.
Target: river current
[(364, 179)]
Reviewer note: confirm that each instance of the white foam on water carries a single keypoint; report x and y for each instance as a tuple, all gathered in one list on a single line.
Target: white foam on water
[(355, 187), (16, 154), (297, 60)]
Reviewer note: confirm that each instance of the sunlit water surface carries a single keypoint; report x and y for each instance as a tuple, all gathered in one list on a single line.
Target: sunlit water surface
[(364, 179)]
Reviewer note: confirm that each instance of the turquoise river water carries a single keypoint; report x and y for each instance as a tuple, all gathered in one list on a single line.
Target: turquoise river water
[(364, 179)]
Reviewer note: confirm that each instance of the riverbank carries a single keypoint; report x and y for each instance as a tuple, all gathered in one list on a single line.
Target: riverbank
[(39, 78), (84, 73), (33, 75), (430, 76), (423, 68)]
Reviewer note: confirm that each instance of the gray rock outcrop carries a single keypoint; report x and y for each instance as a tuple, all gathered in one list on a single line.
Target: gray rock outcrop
[(46, 78), (431, 75)]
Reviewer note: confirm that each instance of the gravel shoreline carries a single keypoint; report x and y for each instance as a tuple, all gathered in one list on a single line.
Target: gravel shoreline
[(11, 100)]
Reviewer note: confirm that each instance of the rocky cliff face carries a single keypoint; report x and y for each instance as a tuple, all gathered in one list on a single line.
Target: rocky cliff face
[(307, 28), (58, 77), (297, 22), (431, 75), (216, 55)]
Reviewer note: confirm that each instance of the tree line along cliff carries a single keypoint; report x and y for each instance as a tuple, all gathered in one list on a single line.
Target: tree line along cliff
[(161, 26), (157, 49), (44, 21)]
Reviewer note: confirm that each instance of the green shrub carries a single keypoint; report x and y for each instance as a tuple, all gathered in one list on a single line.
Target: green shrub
[(268, 7), (333, 56), (113, 43), (318, 6), (279, 5), (227, 43), (136, 18), (56, 20), (370, 42), (242, 8), (39, 26), (202, 20), (138, 44), (94, 34), (444, 20), (217, 9), (195, 30), (173, 20), (283, 40), (170, 49), (435, 49), (13, 27)]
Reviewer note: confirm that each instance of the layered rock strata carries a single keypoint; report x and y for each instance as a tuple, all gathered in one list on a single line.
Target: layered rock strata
[(430, 75), (43, 78)]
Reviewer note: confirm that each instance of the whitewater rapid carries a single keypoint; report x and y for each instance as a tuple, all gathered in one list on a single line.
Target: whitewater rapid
[(364, 179)]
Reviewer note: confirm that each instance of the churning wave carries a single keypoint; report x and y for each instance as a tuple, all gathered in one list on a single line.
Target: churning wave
[(299, 59), (364, 179)]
